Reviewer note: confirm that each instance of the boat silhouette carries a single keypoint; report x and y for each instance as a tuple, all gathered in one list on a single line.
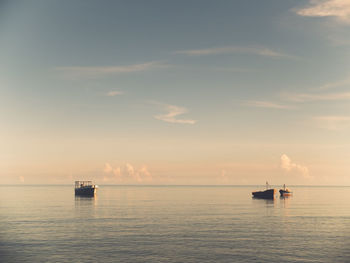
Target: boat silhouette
[(285, 191), (85, 188), (266, 194)]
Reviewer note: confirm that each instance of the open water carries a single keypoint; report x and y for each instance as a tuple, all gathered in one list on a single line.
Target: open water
[(173, 224)]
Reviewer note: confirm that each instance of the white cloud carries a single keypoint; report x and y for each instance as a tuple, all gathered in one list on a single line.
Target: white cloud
[(333, 122), (261, 51), (130, 172), (287, 165), (172, 113), (306, 97), (111, 70), (113, 93), (117, 172), (266, 104), (126, 174), (147, 176), (339, 9), (107, 168)]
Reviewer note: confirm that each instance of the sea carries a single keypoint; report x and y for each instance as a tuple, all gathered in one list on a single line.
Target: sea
[(48, 223)]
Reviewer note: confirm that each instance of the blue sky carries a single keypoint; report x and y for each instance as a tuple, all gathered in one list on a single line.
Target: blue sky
[(199, 92)]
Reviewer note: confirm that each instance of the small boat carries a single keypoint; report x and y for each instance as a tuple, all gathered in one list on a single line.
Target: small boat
[(267, 194), (85, 188), (285, 191)]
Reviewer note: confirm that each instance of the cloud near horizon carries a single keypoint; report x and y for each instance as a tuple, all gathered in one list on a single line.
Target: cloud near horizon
[(339, 9), (260, 51), (172, 113), (126, 174), (287, 165)]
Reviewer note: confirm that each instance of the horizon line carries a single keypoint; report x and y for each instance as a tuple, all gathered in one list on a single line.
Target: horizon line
[(193, 185)]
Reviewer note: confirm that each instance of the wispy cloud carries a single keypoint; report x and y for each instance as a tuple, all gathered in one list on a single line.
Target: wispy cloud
[(213, 68), (339, 9), (287, 165), (232, 69), (339, 39), (336, 84), (307, 97), (110, 70), (333, 122), (113, 93), (261, 51), (266, 104), (172, 113)]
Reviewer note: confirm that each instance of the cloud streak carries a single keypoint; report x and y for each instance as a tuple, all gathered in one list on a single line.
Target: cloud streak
[(111, 70), (339, 9), (260, 51), (266, 104), (332, 85), (113, 93), (308, 97), (172, 115)]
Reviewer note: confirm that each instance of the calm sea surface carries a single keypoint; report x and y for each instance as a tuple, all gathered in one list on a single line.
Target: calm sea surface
[(173, 224)]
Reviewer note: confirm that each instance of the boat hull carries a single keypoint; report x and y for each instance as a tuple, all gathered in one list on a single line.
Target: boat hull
[(267, 194), (85, 191), (285, 193)]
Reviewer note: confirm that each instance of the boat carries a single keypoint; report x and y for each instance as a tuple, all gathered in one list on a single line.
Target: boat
[(285, 191), (266, 194), (85, 188)]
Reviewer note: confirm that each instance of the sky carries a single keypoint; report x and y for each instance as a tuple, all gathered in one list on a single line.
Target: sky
[(175, 92)]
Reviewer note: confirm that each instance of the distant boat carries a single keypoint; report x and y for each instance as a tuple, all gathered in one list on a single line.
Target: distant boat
[(285, 191), (267, 194), (85, 188)]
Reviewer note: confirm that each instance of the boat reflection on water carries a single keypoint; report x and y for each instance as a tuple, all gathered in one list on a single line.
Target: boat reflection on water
[(267, 201), (267, 206), (285, 197), (285, 203), (85, 194), (85, 200), (85, 207)]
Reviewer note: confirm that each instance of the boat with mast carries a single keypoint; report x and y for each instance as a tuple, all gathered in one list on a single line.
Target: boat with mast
[(269, 193), (85, 188), (285, 191)]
